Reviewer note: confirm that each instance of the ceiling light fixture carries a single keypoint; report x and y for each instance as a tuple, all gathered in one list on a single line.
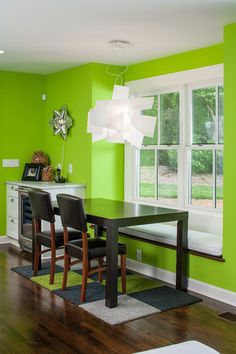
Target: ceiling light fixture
[(2, 51), (120, 119), (119, 43)]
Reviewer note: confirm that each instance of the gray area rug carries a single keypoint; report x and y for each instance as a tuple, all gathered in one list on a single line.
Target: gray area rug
[(145, 296)]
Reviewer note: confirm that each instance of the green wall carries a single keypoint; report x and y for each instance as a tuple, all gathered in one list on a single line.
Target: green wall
[(98, 165), (74, 88), (179, 62), (25, 128), (107, 158), (229, 153), (21, 130)]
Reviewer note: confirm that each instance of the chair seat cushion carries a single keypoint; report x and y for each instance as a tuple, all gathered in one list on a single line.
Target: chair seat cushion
[(96, 248), (44, 238)]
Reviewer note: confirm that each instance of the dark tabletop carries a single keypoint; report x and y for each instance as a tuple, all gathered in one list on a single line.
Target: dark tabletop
[(115, 213)]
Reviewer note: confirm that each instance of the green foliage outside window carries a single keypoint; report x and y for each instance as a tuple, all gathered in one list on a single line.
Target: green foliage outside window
[(169, 118)]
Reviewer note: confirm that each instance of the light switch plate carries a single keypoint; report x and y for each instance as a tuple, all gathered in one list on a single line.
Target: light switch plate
[(70, 168), (10, 163)]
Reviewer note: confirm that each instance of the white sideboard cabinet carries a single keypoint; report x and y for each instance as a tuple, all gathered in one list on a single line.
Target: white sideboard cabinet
[(19, 225)]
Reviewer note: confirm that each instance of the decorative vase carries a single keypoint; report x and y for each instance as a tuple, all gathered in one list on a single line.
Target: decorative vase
[(47, 174), (40, 157)]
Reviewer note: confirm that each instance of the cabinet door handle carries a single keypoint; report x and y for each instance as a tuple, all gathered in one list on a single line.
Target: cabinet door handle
[(12, 221), (12, 187), (12, 200)]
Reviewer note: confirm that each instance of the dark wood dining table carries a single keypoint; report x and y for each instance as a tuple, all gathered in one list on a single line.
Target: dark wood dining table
[(112, 214)]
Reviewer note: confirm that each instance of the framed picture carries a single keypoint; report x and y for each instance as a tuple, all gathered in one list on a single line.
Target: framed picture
[(32, 172)]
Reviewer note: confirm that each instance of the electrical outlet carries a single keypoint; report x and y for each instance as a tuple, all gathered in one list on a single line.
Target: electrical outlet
[(70, 169), (139, 255), (10, 163)]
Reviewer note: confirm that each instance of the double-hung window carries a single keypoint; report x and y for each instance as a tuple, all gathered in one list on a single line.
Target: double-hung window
[(205, 163), (182, 164), (158, 158)]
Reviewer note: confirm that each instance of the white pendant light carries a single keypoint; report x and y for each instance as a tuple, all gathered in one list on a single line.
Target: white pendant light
[(121, 120)]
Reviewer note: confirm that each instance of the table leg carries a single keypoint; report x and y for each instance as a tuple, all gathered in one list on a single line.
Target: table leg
[(33, 244), (33, 247), (111, 267), (182, 255), (98, 230)]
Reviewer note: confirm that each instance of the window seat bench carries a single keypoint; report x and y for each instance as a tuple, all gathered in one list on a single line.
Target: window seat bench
[(199, 243)]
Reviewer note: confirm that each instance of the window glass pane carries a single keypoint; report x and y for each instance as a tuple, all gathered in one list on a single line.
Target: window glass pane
[(147, 174), (169, 118), (221, 115), (203, 115), (219, 179), (151, 112), (202, 179), (168, 176)]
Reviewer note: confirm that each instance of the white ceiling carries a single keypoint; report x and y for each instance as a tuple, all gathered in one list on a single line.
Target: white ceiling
[(44, 36)]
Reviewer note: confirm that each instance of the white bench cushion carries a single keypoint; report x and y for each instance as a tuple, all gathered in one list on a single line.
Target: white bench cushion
[(190, 347), (197, 241)]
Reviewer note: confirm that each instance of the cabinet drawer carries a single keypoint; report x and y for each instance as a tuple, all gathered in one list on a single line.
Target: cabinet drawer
[(12, 206), (11, 190), (12, 227), (78, 191)]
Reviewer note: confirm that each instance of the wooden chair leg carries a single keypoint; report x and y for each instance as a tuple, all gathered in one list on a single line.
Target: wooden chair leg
[(100, 271), (53, 264), (36, 258), (65, 273), (84, 281), (123, 273)]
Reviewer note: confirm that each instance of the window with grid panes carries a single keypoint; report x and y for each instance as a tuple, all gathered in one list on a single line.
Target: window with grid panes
[(182, 164)]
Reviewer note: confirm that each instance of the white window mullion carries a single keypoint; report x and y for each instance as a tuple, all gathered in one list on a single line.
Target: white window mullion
[(181, 177), (189, 122), (137, 185), (159, 120), (188, 180), (214, 177), (217, 117), (156, 169), (182, 170)]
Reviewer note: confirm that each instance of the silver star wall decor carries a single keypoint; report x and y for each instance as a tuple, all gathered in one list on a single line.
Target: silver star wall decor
[(61, 122)]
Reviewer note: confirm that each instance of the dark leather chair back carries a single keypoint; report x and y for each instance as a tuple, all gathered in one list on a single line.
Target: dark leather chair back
[(72, 212), (41, 205)]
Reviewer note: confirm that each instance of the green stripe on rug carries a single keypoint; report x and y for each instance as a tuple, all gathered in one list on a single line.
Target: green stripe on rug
[(136, 282), (73, 279)]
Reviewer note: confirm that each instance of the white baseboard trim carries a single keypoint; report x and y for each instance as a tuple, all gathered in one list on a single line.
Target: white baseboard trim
[(6, 239), (223, 295)]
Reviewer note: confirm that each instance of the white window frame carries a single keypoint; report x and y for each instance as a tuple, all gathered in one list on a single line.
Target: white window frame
[(183, 82)]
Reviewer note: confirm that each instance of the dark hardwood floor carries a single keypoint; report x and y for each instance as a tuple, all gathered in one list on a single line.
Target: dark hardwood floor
[(32, 320)]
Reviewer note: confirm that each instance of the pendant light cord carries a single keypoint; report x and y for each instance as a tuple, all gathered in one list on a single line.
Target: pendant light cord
[(118, 47), (119, 80)]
